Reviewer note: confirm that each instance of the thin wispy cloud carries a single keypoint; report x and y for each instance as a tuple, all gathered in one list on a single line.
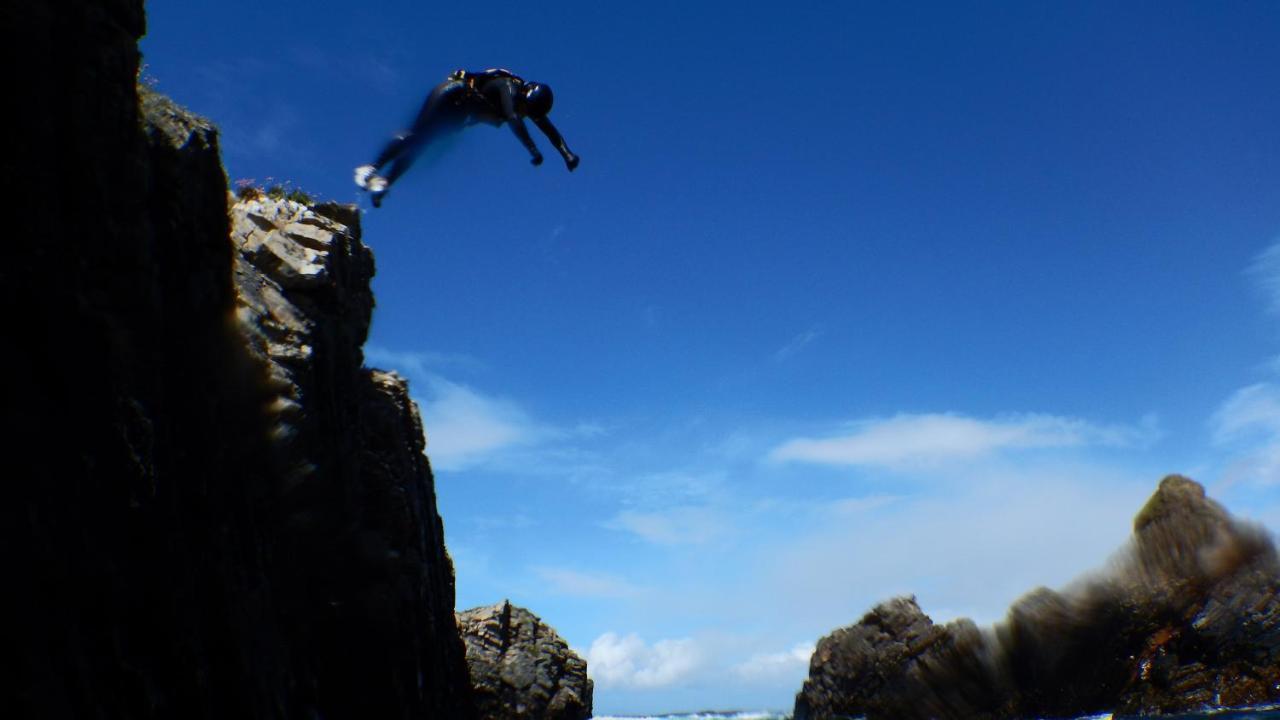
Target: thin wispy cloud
[(272, 132), (1253, 411), (502, 523), (911, 441), (1265, 270), (419, 363), (686, 525), (464, 426), (1248, 426), (668, 488), (575, 583), (854, 506), (796, 344)]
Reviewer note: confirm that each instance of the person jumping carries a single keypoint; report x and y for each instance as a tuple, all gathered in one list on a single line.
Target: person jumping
[(493, 96)]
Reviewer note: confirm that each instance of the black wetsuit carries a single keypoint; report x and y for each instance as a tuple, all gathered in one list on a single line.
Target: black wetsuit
[(493, 97)]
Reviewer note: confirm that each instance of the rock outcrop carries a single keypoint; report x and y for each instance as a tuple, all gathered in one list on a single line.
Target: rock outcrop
[(1188, 619), (216, 511), (521, 669)]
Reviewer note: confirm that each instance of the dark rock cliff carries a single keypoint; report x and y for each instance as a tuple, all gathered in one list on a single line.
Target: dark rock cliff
[(521, 669), (215, 510), (1188, 619)]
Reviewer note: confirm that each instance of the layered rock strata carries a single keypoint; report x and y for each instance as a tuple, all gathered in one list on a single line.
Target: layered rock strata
[(1188, 619), (521, 669), (356, 495), (216, 511)]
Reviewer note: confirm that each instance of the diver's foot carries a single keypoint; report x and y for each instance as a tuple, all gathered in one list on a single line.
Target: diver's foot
[(377, 187), (571, 161), (363, 173)]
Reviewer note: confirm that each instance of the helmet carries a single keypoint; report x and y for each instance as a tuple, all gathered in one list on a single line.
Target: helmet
[(537, 99)]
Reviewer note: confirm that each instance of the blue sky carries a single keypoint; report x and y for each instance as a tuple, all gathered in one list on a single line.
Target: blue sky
[(845, 300)]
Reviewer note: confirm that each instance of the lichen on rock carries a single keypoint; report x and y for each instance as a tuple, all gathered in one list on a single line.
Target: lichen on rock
[(521, 669)]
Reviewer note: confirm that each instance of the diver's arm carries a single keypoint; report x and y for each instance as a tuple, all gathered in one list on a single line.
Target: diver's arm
[(507, 103), (517, 127), (544, 124)]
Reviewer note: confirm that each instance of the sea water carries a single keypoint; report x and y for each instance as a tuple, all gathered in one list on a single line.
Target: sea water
[(1269, 712)]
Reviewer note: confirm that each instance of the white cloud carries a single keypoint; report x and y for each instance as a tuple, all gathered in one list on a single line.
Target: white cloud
[(1266, 270), (1249, 423), (912, 441), (463, 426), (1252, 411), (969, 551), (772, 666), (686, 525), (628, 662), (564, 581), (415, 364)]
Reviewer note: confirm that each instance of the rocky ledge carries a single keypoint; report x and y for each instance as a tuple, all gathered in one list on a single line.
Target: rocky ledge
[(355, 492), (1188, 619), (521, 669)]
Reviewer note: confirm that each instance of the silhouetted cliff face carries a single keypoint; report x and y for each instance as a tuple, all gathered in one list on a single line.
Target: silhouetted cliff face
[(214, 510), (1189, 618)]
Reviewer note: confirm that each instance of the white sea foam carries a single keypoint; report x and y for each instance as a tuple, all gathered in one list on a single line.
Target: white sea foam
[(706, 715), (1259, 712)]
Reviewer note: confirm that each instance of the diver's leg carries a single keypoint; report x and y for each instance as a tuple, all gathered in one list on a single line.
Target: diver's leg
[(439, 98), (544, 124), (393, 148), (405, 157), (407, 152), (443, 110)]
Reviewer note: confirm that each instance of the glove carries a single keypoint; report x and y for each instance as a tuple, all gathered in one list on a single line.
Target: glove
[(536, 160)]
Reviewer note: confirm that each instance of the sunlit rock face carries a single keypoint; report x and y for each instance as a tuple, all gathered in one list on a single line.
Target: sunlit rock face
[(521, 669), (355, 493), (1187, 618), (215, 511)]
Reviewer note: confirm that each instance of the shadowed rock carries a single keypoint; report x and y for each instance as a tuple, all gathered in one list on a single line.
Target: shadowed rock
[(521, 669), (215, 510), (1187, 618)]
